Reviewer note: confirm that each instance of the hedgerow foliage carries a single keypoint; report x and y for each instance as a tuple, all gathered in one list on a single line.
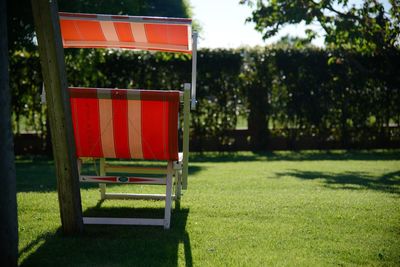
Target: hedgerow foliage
[(350, 98), (284, 92)]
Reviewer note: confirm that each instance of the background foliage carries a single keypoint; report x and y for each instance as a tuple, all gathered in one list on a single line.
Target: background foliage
[(282, 92), (367, 26), (348, 93)]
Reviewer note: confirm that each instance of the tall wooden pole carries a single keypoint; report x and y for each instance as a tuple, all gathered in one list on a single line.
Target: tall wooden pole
[(8, 198), (47, 25)]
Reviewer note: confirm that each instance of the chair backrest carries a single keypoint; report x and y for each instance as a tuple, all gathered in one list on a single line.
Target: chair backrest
[(107, 31), (125, 123)]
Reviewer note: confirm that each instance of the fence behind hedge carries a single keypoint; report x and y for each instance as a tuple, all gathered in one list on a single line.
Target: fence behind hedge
[(291, 94)]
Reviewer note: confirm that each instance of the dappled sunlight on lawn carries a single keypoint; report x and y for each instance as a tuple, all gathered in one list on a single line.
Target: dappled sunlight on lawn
[(388, 182), (291, 208)]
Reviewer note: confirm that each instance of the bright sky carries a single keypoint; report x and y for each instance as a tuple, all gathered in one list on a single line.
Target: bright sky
[(223, 25)]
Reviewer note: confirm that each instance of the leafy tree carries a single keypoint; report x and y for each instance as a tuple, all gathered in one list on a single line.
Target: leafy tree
[(287, 41), (368, 28), (170, 8), (20, 20), (350, 30)]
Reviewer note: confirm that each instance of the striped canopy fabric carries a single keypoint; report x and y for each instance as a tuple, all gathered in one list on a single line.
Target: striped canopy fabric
[(107, 31), (125, 123)]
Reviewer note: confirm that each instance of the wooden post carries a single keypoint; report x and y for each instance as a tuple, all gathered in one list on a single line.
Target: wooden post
[(47, 25), (8, 195), (186, 129), (102, 173)]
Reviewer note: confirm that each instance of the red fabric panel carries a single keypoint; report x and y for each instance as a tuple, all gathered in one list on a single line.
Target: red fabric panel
[(160, 125), (173, 111), (120, 17), (84, 31), (85, 118), (159, 118), (106, 178), (124, 31), (69, 31), (152, 135), (82, 93), (120, 123), (91, 30), (167, 34), (137, 180)]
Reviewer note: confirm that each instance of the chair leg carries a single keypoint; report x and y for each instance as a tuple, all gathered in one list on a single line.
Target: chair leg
[(102, 191), (178, 186), (168, 197), (102, 172)]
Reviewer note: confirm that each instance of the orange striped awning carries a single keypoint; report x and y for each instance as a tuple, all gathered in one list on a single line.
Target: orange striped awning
[(125, 123), (107, 31)]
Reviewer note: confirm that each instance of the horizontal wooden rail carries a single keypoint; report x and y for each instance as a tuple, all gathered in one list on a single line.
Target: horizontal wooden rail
[(122, 179), (122, 221), (136, 196), (134, 169)]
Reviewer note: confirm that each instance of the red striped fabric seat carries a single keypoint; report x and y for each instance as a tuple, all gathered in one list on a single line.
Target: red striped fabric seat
[(125, 123)]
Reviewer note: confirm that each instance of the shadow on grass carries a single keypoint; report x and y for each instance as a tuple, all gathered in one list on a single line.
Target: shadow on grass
[(38, 175), (389, 182), (116, 245), (311, 155)]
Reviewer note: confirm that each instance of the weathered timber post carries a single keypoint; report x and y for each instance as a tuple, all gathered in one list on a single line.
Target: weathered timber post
[(47, 25), (8, 195)]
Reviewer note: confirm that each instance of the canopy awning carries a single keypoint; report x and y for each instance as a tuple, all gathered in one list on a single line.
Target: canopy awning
[(129, 32)]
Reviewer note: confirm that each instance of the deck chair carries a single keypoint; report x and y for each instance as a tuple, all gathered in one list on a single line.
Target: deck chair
[(132, 123)]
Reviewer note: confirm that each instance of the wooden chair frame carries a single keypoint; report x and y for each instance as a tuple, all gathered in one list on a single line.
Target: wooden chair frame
[(172, 176), (175, 175)]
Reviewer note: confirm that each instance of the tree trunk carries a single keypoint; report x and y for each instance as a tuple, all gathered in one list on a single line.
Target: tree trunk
[(257, 120), (8, 201)]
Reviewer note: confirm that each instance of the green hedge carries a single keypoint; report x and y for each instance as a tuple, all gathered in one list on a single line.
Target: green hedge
[(288, 93)]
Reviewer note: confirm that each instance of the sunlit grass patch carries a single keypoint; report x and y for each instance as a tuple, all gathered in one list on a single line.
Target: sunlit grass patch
[(241, 209)]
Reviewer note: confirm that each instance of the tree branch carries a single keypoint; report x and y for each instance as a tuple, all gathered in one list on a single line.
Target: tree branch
[(346, 15)]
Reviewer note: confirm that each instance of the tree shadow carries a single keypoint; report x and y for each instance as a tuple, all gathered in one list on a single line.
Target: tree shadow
[(388, 183), (102, 245), (37, 174), (305, 155)]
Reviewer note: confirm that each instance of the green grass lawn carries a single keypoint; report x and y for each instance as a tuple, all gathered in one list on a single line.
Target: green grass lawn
[(241, 209)]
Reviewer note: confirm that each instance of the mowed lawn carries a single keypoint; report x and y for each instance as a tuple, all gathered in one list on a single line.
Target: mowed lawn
[(241, 209)]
